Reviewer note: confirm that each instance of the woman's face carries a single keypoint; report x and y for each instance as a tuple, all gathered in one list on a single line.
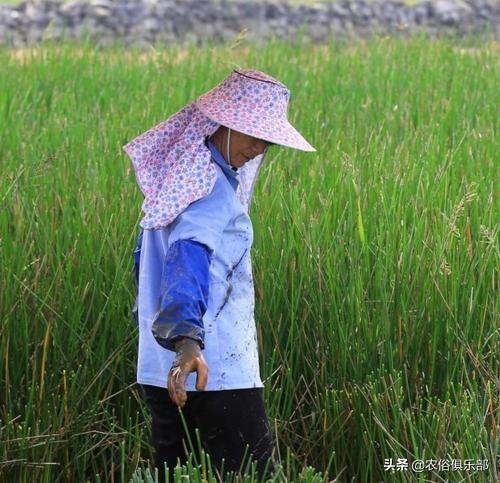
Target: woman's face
[(242, 146)]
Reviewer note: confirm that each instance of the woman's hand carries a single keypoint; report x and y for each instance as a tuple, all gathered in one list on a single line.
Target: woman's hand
[(188, 358)]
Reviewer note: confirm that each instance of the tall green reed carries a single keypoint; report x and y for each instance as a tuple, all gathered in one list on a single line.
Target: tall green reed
[(375, 259)]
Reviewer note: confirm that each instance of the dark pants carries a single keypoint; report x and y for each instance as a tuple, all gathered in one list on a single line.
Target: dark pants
[(227, 420)]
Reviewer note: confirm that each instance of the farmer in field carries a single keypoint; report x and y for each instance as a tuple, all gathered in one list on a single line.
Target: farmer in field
[(198, 355)]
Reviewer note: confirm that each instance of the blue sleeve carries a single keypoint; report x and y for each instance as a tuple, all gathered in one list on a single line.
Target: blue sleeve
[(184, 294), (137, 259), (193, 238), (137, 256)]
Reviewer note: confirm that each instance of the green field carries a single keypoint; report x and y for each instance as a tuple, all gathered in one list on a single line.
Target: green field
[(375, 259)]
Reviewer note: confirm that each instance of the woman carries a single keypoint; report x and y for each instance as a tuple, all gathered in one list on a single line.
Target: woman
[(195, 303)]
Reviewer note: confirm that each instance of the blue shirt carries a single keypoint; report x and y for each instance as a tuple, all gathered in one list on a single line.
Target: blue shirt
[(195, 280)]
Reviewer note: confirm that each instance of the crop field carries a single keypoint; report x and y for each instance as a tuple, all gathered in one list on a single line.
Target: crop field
[(375, 259)]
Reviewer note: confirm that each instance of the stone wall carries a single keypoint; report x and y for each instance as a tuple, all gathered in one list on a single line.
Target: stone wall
[(141, 22)]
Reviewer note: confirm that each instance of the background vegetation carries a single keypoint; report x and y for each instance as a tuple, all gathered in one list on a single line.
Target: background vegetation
[(375, 258), (291, 2)]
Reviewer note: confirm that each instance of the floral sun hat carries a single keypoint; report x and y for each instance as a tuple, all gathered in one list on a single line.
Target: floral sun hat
[(171, 161)]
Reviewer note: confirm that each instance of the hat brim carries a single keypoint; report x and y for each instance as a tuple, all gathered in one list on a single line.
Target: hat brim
[(277, 131)]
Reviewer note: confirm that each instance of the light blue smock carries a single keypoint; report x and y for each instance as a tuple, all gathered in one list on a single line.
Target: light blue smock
[(220, 222)]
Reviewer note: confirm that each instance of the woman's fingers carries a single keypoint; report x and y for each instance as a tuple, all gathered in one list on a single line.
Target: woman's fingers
[(188, 358), (177, 380), (172, 376), (201, 375), (180, 387)]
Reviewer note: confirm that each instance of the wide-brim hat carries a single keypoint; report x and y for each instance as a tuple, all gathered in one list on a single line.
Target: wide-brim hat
[(253, 103)]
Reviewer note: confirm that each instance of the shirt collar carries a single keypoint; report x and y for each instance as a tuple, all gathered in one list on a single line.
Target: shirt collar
[(231, 174)]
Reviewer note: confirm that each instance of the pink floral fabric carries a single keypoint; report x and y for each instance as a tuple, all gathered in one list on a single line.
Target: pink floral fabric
[(254, 103), (172, 163)]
